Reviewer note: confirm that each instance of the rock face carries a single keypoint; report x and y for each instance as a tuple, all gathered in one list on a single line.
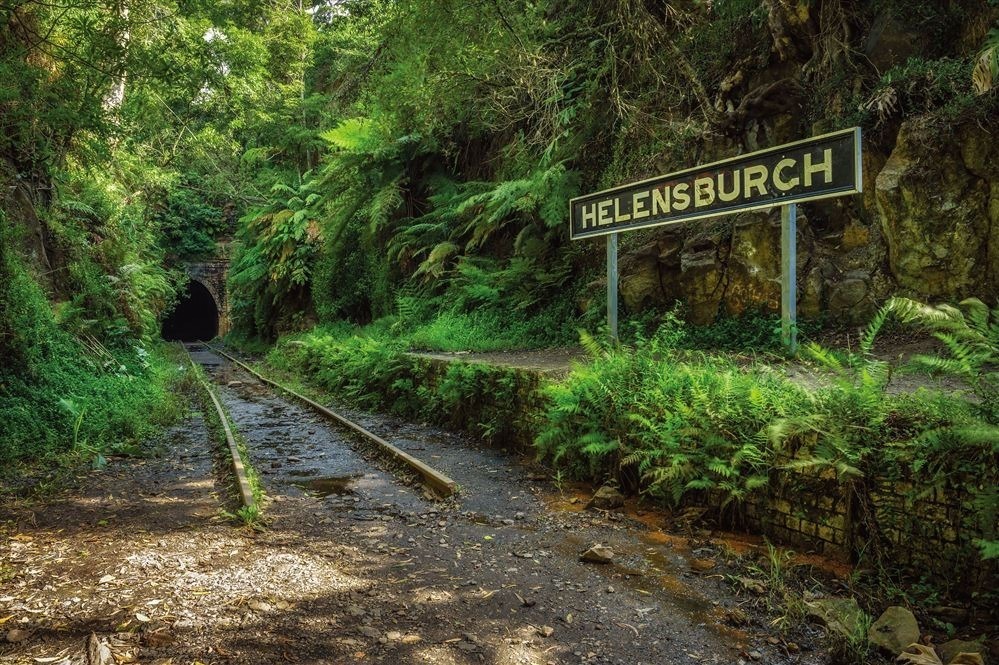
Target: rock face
[(606, 498), (894, 630), (927, 225), (935, 215)]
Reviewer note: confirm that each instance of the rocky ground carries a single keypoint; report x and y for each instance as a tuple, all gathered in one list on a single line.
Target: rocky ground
[(354, 565)]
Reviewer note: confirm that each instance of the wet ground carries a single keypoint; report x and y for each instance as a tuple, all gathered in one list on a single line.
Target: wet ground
[(356, 565)]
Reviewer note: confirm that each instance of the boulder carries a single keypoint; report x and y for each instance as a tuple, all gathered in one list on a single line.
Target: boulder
[(894, 630), (846, 295), (606, 498), (839, 615), (950, 650)]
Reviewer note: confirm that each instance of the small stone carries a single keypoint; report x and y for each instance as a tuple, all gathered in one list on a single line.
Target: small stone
[(606, 498), (840, 615), (597, 554), (394, 635), (546, 631), (411, 639), (736, 617), (894, 630), (949, 650), (755, 655), (15, 635), (519, 516), (610, 589), (508, 522), (702, 565), (952, 615)]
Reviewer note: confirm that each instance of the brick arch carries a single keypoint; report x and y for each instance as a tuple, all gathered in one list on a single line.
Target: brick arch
[(213, 276)]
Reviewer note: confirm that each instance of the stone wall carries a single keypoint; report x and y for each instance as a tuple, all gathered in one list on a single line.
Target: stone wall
[(928, 531)]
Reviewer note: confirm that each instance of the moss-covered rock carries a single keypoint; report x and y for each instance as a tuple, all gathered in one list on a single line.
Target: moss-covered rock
[(934, 215)]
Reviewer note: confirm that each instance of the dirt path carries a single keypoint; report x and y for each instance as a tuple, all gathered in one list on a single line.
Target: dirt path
[(354, 565)]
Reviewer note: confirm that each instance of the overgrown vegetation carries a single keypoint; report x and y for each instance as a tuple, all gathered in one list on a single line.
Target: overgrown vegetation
[(684, 426), (62, 393), (495, 403)]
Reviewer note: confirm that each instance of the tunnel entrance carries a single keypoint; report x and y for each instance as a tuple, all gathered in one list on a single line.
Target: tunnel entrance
[(195, 318)]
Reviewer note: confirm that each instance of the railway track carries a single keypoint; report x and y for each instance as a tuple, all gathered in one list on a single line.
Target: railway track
[(325, 462)]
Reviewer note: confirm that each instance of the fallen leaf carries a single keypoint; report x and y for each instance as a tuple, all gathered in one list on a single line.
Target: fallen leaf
[(139, 616), (106, 579)]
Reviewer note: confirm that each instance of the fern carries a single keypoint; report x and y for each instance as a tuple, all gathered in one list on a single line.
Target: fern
[(970, 335)]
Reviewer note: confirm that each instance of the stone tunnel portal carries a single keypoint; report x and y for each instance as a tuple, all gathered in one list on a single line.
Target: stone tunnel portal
[(195, 318)]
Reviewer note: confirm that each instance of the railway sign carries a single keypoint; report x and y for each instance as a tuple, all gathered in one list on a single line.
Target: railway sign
[(816, 168)]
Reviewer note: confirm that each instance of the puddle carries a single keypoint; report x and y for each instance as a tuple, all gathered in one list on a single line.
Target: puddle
[(329, 486)]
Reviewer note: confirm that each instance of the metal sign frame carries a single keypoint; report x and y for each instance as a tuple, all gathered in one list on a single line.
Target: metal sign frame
[(852, 183)]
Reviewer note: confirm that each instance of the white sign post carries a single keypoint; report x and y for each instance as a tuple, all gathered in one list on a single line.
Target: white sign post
[(788, 276)]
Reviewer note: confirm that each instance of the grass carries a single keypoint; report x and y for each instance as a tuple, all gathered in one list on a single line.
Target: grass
[(64, 414)]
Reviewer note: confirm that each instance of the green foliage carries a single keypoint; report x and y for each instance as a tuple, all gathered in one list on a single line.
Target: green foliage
[(189, 225), (686, 423), (986, 73), (942, 88), (490, 329), (748, 332), (58, 395), (376, 373), (969, 334)]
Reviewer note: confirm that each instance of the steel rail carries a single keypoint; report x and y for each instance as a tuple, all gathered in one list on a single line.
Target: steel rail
[(245, 492), (440, 483)]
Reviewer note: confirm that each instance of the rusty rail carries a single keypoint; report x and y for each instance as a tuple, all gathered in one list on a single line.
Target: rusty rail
[(438, 482), (245, 492)]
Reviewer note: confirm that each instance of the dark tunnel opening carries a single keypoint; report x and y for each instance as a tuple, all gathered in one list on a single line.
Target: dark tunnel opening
[(195, 318)]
